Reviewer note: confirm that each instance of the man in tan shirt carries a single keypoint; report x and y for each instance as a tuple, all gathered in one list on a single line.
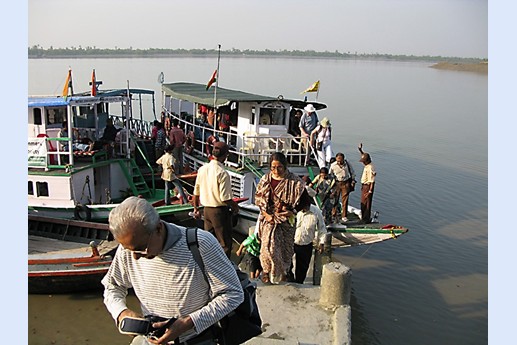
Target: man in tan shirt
[(213, 189), (367, 185)]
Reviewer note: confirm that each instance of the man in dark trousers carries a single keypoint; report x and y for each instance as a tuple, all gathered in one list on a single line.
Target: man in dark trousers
[(367, 185), (213, 189)]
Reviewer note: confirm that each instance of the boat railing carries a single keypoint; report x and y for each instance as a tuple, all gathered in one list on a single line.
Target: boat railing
[(49, 153), (250, 146)]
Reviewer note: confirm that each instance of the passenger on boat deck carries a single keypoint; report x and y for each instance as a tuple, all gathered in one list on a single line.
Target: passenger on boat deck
[(177, 139), (325, 186), (161, 141), (310, 233), (294, 122), (213, 190), (308, 122), (63, 133), (367, 185), (278, 197), (151, 250), (344, 174), (154, 131), (110, 131), (210, 117), (108, 136), (323, 142), (168, 163)]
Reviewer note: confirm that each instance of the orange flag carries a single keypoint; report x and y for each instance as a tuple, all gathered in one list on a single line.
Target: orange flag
[(68, 82), (94, 84), (212, 80)]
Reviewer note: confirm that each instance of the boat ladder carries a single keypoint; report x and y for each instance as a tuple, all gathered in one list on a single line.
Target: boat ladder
[(135, 178), (248, 163)]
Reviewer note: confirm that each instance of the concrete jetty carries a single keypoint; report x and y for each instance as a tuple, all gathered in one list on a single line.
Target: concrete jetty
[(306, 313)]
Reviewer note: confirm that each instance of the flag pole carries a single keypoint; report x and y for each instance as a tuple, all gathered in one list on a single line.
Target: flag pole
[(216, 84), (70, 83), (217, 74), (318, 92)]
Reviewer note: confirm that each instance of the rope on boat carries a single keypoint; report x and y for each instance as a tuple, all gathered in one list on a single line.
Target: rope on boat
[(363, 254), (87, 182)]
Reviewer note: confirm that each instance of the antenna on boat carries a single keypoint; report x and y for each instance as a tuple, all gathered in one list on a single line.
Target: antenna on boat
[(128, 118), (161, 79), (217, 83)]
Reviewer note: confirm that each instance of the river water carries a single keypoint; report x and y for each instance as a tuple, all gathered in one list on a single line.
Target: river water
[(426, 131)]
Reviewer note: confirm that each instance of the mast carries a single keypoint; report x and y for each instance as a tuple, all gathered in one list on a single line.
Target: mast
[(216, 85), (128, 118)]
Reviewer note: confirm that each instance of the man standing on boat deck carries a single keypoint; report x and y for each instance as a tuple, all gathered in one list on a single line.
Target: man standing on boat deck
[(367, 185), (213, 189), (154, 260), (345, 177), (177, 139), (308, 122)]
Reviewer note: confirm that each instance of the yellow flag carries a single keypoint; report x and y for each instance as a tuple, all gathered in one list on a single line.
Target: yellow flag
[(67, 83), (313, 88)]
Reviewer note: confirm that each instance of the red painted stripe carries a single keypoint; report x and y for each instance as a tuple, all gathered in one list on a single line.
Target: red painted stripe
[(67, 273), (93, 264), (64, 260)]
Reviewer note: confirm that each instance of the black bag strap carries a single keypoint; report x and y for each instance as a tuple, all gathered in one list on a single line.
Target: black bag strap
[(193, 246)]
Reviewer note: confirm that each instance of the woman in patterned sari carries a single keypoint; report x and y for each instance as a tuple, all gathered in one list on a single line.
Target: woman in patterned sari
[(278, 195)]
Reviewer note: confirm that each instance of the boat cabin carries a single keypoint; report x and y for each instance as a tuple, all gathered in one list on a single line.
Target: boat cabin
[(253, 125), (66, 170)]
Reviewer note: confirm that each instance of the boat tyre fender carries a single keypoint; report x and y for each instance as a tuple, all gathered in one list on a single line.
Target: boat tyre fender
[(82, 212)]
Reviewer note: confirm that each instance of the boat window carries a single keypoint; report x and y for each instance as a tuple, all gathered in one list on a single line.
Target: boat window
[(56, 116), (37, 116), (278, 117), (89, 110), (31, 188), (42, 188), (252, 121), (272, 116)]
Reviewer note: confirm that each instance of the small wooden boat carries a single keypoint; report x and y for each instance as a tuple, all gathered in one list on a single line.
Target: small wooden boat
[(67, 255), (361, 234)]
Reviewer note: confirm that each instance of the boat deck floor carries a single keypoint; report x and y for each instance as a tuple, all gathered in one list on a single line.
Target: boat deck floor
[(49, 248)]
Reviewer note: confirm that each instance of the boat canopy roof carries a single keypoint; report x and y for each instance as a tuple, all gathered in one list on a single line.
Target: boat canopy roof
[(56, 101), (197, 93)]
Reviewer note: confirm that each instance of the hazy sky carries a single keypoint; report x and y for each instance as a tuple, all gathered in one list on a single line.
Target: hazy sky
[(410, 27)]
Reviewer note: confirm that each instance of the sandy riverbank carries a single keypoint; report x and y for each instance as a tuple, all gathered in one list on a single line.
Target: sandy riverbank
[(481, 67)]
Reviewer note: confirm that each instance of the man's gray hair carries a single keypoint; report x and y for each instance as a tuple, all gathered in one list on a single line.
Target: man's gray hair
[(133, 212)]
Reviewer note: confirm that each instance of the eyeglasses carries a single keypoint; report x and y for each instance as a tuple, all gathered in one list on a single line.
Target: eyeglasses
[(143, 253), (277, 167)]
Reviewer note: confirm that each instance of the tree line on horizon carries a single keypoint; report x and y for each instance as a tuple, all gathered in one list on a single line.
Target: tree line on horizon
[(38, 52)]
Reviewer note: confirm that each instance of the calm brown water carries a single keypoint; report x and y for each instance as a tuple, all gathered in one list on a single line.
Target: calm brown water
[(426, 131)]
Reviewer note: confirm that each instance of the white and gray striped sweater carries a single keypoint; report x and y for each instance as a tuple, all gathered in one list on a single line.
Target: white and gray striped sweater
[(172, 284)]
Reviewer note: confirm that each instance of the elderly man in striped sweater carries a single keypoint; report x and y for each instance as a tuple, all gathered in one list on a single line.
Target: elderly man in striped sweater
[(153, 258)]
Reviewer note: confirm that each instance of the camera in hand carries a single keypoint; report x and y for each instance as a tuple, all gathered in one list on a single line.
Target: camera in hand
[(158, 332), (144, 326)]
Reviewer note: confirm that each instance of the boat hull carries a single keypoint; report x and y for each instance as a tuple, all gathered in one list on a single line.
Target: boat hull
[(100, 213), (65, 278)]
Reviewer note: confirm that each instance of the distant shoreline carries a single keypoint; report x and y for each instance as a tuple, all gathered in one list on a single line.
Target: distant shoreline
[(481, 67), (452, 64), (37, 52)]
